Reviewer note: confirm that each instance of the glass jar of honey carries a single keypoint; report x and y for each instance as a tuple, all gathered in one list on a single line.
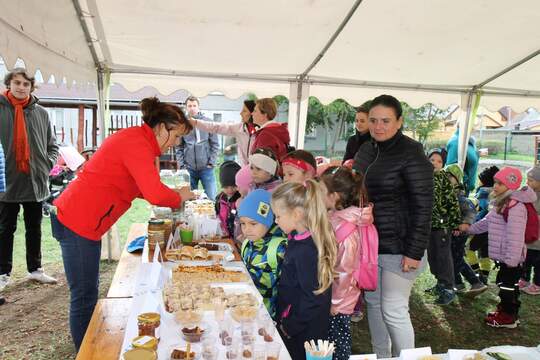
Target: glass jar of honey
[(148, 324), (156, 233), (145, 342), (140, 354)]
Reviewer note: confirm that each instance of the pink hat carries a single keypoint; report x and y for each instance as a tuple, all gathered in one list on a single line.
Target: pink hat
[(243, 178), (510, 177)]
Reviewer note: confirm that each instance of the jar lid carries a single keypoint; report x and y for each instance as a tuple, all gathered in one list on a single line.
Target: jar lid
[(145, 342), (140, 354), (150, 317), (156, 222)]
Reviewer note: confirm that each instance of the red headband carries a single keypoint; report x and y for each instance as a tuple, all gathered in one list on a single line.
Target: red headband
[(299, 164)]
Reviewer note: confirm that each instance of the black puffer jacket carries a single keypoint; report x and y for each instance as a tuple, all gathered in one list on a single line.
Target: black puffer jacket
[(399, 181)]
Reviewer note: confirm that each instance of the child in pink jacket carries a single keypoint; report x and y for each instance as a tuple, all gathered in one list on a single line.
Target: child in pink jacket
[(505, 225), (344, 196)]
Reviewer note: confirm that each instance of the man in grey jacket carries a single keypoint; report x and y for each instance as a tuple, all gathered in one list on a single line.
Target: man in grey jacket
[(30, 150), (198, 151)]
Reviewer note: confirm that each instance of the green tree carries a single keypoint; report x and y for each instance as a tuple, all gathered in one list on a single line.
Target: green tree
[(337, 114), (422, 122)]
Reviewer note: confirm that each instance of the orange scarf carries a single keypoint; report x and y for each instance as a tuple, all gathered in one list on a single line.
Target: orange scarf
[(20, 137)]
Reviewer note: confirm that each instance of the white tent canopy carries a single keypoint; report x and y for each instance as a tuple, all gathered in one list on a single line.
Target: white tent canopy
[(419, 50)]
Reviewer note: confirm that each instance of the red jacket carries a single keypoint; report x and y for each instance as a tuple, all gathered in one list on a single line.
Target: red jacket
[(274, 136), (121, 170)]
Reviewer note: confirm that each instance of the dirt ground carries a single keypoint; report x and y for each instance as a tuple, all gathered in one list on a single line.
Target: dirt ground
[(34, 321)]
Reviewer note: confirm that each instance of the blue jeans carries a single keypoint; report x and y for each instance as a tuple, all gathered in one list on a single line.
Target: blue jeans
[(208, 180), (81, 264)]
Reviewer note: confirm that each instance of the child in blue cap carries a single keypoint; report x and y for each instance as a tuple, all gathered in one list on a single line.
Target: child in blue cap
[(264, 246)]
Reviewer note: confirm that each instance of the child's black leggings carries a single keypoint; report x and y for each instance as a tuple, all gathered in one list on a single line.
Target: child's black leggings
[(507, 280)]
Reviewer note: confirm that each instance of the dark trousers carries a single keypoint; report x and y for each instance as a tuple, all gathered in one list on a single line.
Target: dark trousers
[(532, 263), (81, 264), (460, 265), (479, 243), (440, 258), (8, 225), (507, 280), (339, 333)]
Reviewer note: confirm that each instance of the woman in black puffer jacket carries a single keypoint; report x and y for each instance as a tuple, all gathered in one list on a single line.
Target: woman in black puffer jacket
[(399, 181)]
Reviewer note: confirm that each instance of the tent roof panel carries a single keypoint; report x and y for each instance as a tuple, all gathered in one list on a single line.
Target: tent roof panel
[(239, 36), (48, 38), (433, 42)]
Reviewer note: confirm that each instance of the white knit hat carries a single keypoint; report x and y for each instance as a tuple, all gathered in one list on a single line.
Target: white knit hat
[(264, 162)]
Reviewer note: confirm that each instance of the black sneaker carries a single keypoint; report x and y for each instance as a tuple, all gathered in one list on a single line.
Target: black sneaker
[(476, 289), (460, 288), (434, 290), (2, 301)]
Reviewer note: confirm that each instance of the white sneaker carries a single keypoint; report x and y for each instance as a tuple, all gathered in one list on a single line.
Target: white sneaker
[(41, 277), (5, 280)]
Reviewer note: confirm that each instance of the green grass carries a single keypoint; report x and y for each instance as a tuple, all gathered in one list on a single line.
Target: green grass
[(460, 324), (513, 156)]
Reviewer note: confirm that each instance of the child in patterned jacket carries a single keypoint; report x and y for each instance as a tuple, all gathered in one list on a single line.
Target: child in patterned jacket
[(264, 246)]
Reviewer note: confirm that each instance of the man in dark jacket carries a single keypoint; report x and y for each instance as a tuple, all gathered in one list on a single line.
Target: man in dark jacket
[(198, 152), (362, 132), (30, 149), (399, 181)]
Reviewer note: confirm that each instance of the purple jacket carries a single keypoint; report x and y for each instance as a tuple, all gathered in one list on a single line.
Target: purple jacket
[(507, 239)]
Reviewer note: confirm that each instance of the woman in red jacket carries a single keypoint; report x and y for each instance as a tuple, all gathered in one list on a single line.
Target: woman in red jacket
[(121, 170), (271, 134)]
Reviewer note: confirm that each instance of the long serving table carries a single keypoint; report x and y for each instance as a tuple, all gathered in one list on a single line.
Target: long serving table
[(105, 334)]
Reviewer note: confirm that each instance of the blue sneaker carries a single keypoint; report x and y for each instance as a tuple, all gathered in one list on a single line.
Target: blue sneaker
[(446, 297)]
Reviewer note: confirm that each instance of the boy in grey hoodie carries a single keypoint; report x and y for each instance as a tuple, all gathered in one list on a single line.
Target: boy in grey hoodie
[(532, 262)]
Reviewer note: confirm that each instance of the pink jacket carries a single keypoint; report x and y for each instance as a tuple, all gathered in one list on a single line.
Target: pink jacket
[(345, 292), (236, 129), (507, 239)]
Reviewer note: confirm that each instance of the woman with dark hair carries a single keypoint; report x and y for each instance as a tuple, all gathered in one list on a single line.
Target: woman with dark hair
[(399, 181), (242, 131), (122, 169), (361, 134)]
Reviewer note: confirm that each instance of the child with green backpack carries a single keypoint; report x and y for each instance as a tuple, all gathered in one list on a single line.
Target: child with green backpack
[(264, 246)]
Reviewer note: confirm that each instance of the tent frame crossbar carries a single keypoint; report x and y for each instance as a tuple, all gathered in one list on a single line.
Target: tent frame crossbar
[(332, 39), (507, 69)]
